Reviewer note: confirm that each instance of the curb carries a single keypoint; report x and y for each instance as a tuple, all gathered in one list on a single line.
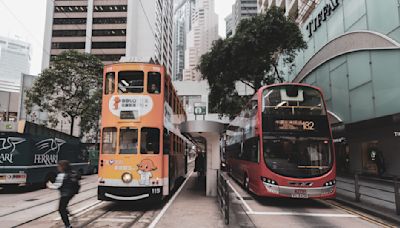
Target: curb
[(379, 214)]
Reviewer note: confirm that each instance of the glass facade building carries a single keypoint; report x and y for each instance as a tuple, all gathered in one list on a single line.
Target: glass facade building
[(353, 55)]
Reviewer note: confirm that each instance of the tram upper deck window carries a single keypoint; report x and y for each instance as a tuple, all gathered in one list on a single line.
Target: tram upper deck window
[(150, 141), (154, 82), (109, 83), (130, 82), (109, 140), (128, 141)]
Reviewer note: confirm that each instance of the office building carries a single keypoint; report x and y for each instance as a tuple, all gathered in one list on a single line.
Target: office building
[(110, 29), (204, 31), (14, 60)]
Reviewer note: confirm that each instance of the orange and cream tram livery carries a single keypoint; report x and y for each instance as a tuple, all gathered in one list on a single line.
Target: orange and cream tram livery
[(142, 153)]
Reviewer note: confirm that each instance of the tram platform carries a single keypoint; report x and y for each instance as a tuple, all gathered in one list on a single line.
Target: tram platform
[(192, 208)]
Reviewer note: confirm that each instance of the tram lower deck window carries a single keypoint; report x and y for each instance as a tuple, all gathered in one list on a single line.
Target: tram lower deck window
[(150, 141), (109, 140), (128, 141)]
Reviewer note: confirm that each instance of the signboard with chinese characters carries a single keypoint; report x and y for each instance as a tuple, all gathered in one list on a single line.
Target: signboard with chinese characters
[(130, 106)]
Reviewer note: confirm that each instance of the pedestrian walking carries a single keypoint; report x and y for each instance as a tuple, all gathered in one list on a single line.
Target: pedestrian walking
[(67, 182), (199, 164)]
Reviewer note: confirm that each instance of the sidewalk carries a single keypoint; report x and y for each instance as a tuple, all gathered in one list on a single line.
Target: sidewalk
[(192, 208), (377, 197)]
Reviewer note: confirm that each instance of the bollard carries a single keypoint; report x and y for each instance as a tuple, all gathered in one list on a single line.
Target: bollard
[(357, 187), (396, 195)]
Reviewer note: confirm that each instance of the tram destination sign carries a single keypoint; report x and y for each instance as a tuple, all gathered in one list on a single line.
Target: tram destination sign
[(322, 16)]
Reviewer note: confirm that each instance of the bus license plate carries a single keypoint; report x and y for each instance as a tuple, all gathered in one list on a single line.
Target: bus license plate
[(300, 193)]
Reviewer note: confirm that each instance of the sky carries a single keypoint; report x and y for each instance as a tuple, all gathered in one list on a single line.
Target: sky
[(223, 8), (25, 20)]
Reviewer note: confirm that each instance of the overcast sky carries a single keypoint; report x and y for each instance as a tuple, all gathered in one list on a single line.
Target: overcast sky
[(24, 20)]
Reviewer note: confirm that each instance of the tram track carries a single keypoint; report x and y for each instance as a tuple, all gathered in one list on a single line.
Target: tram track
[(51, 212), (42, 203), (106, 215)]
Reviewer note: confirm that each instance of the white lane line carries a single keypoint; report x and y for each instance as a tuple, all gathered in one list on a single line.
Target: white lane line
[(240, 198), (302, 214), (165, 208)]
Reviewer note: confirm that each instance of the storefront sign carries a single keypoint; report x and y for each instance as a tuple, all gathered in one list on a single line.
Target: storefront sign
[(323, 15)]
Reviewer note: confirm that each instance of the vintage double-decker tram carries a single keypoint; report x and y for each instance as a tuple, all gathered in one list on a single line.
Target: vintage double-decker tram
[(142, 152), (281, 145)]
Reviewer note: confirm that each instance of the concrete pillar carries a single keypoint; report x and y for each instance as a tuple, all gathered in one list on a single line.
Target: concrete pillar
[(213, 163)]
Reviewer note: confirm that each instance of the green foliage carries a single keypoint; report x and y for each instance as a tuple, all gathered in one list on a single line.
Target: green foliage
[(251, 57), (71, 87)]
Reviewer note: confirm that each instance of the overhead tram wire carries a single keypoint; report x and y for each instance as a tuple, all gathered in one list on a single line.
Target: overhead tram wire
[(25, 27), (147, 18)]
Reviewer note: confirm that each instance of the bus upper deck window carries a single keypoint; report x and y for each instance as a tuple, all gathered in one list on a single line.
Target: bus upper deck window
[(109, 140), (150, 141), (154, 82), (109, 83), (128, 141), (130, 82)]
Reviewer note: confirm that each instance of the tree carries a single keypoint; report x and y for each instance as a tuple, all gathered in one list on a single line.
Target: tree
[(251, 57), (70, 87)]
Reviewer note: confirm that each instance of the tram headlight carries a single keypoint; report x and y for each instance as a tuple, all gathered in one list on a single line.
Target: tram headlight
[(126, 177)]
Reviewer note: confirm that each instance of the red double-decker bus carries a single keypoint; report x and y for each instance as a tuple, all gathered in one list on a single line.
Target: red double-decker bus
[(280, 145)]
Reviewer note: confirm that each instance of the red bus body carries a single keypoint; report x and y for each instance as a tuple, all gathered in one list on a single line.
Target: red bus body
[(252, 169)]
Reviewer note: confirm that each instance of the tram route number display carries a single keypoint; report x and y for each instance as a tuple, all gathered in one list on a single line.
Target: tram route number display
[(296, 125)]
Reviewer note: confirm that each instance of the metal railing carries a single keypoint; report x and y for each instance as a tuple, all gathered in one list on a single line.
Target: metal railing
[(223, 195), (388, 187)]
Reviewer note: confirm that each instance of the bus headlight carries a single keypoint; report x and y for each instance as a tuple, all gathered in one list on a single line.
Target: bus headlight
[(268, 181), (330, 183), (126, 177)]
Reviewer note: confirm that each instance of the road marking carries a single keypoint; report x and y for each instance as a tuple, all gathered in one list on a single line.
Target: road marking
[(361, 215), (240, 198), (165, 208), (277, 213)]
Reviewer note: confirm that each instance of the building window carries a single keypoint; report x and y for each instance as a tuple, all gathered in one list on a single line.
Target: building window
[(150, 141), (116, 8), (111, 20), (68, 45), (109, 32), (69, 21), (113, 58), (128, 141), (108, 45), (109, 140), (70, 9), (63, 33), (130, 82)]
